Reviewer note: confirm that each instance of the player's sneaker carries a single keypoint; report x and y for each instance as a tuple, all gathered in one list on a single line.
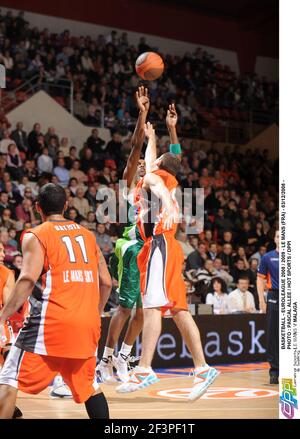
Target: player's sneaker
[(139, 378), (122, 365), (105, 370), (60, 389), (202, 381)]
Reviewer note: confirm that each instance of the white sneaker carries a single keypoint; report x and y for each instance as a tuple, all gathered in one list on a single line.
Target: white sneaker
[(60, 389), (105, 370), (202, 381), (122, 365), (139, 378)]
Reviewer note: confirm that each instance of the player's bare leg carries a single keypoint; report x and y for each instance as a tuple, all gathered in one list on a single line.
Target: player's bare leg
[(123, 360), (105, 367), (143, 375), (151, 332), (8, 396), (190, 334), (117, 323), (135, 326)]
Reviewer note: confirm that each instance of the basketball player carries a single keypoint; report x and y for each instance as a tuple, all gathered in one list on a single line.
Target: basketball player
[(160, 263), (124, 262), (61, 334), (7, 283)]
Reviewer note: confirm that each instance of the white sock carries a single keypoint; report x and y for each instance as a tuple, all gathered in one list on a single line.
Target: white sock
[(108, 352), (125, 350), (201, 368)]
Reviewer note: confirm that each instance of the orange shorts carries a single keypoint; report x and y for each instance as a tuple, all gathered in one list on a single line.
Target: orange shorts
[(160, 263), (32, 373)]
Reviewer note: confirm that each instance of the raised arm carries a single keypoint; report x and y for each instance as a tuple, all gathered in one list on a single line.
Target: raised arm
[(171, 121), (32, 266), (151, 153), (143, 103)]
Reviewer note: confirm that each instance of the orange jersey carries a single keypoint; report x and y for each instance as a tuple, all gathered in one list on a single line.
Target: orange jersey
[(154, 226), (64, 318), (4, 274)]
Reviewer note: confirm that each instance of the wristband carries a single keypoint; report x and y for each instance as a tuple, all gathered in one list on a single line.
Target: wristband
[(175, 148)]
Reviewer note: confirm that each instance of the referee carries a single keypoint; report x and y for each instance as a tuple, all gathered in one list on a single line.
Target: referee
[(268, 276)]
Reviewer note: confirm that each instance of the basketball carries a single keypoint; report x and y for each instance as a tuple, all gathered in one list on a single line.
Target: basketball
[(149, 66)]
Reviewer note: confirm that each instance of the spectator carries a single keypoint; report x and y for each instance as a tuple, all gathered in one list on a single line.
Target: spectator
[(213, 250), (5, 142), (10, 251), (72, 157), (51, 134), (44, 162), (220, 272), (12, 233), (239, 270), (184, 242), (73, 215), (201, 279), (24, 212), (91, 221), (91, 196), (114, 147), (80, 108), (87, 160), (241, 300), (30, 171), (95, 143), (19, 136), (259, 254), (6, 220), (81, 203), (64, 146), (219, 297), (14, 162), (197, 258), (104, 241), (226, 257), (77, 173), (222, 223), (33, 140), (4, 202), (62, 173)]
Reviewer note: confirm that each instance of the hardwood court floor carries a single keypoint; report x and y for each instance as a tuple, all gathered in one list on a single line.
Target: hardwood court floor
[(241, 391)]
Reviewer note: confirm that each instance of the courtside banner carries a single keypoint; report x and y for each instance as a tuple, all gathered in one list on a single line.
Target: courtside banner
[(289, 379), (226, 339)]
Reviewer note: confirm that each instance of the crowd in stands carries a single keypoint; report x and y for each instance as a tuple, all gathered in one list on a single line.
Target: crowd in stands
[(104, 79), (240, 185)]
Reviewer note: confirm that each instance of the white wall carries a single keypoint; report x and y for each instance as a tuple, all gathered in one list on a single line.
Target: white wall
[(43, 109), (165, 45)]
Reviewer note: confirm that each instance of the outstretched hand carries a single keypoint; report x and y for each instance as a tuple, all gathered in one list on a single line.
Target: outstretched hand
[(142, 99), (149, 131), (172, 116)]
